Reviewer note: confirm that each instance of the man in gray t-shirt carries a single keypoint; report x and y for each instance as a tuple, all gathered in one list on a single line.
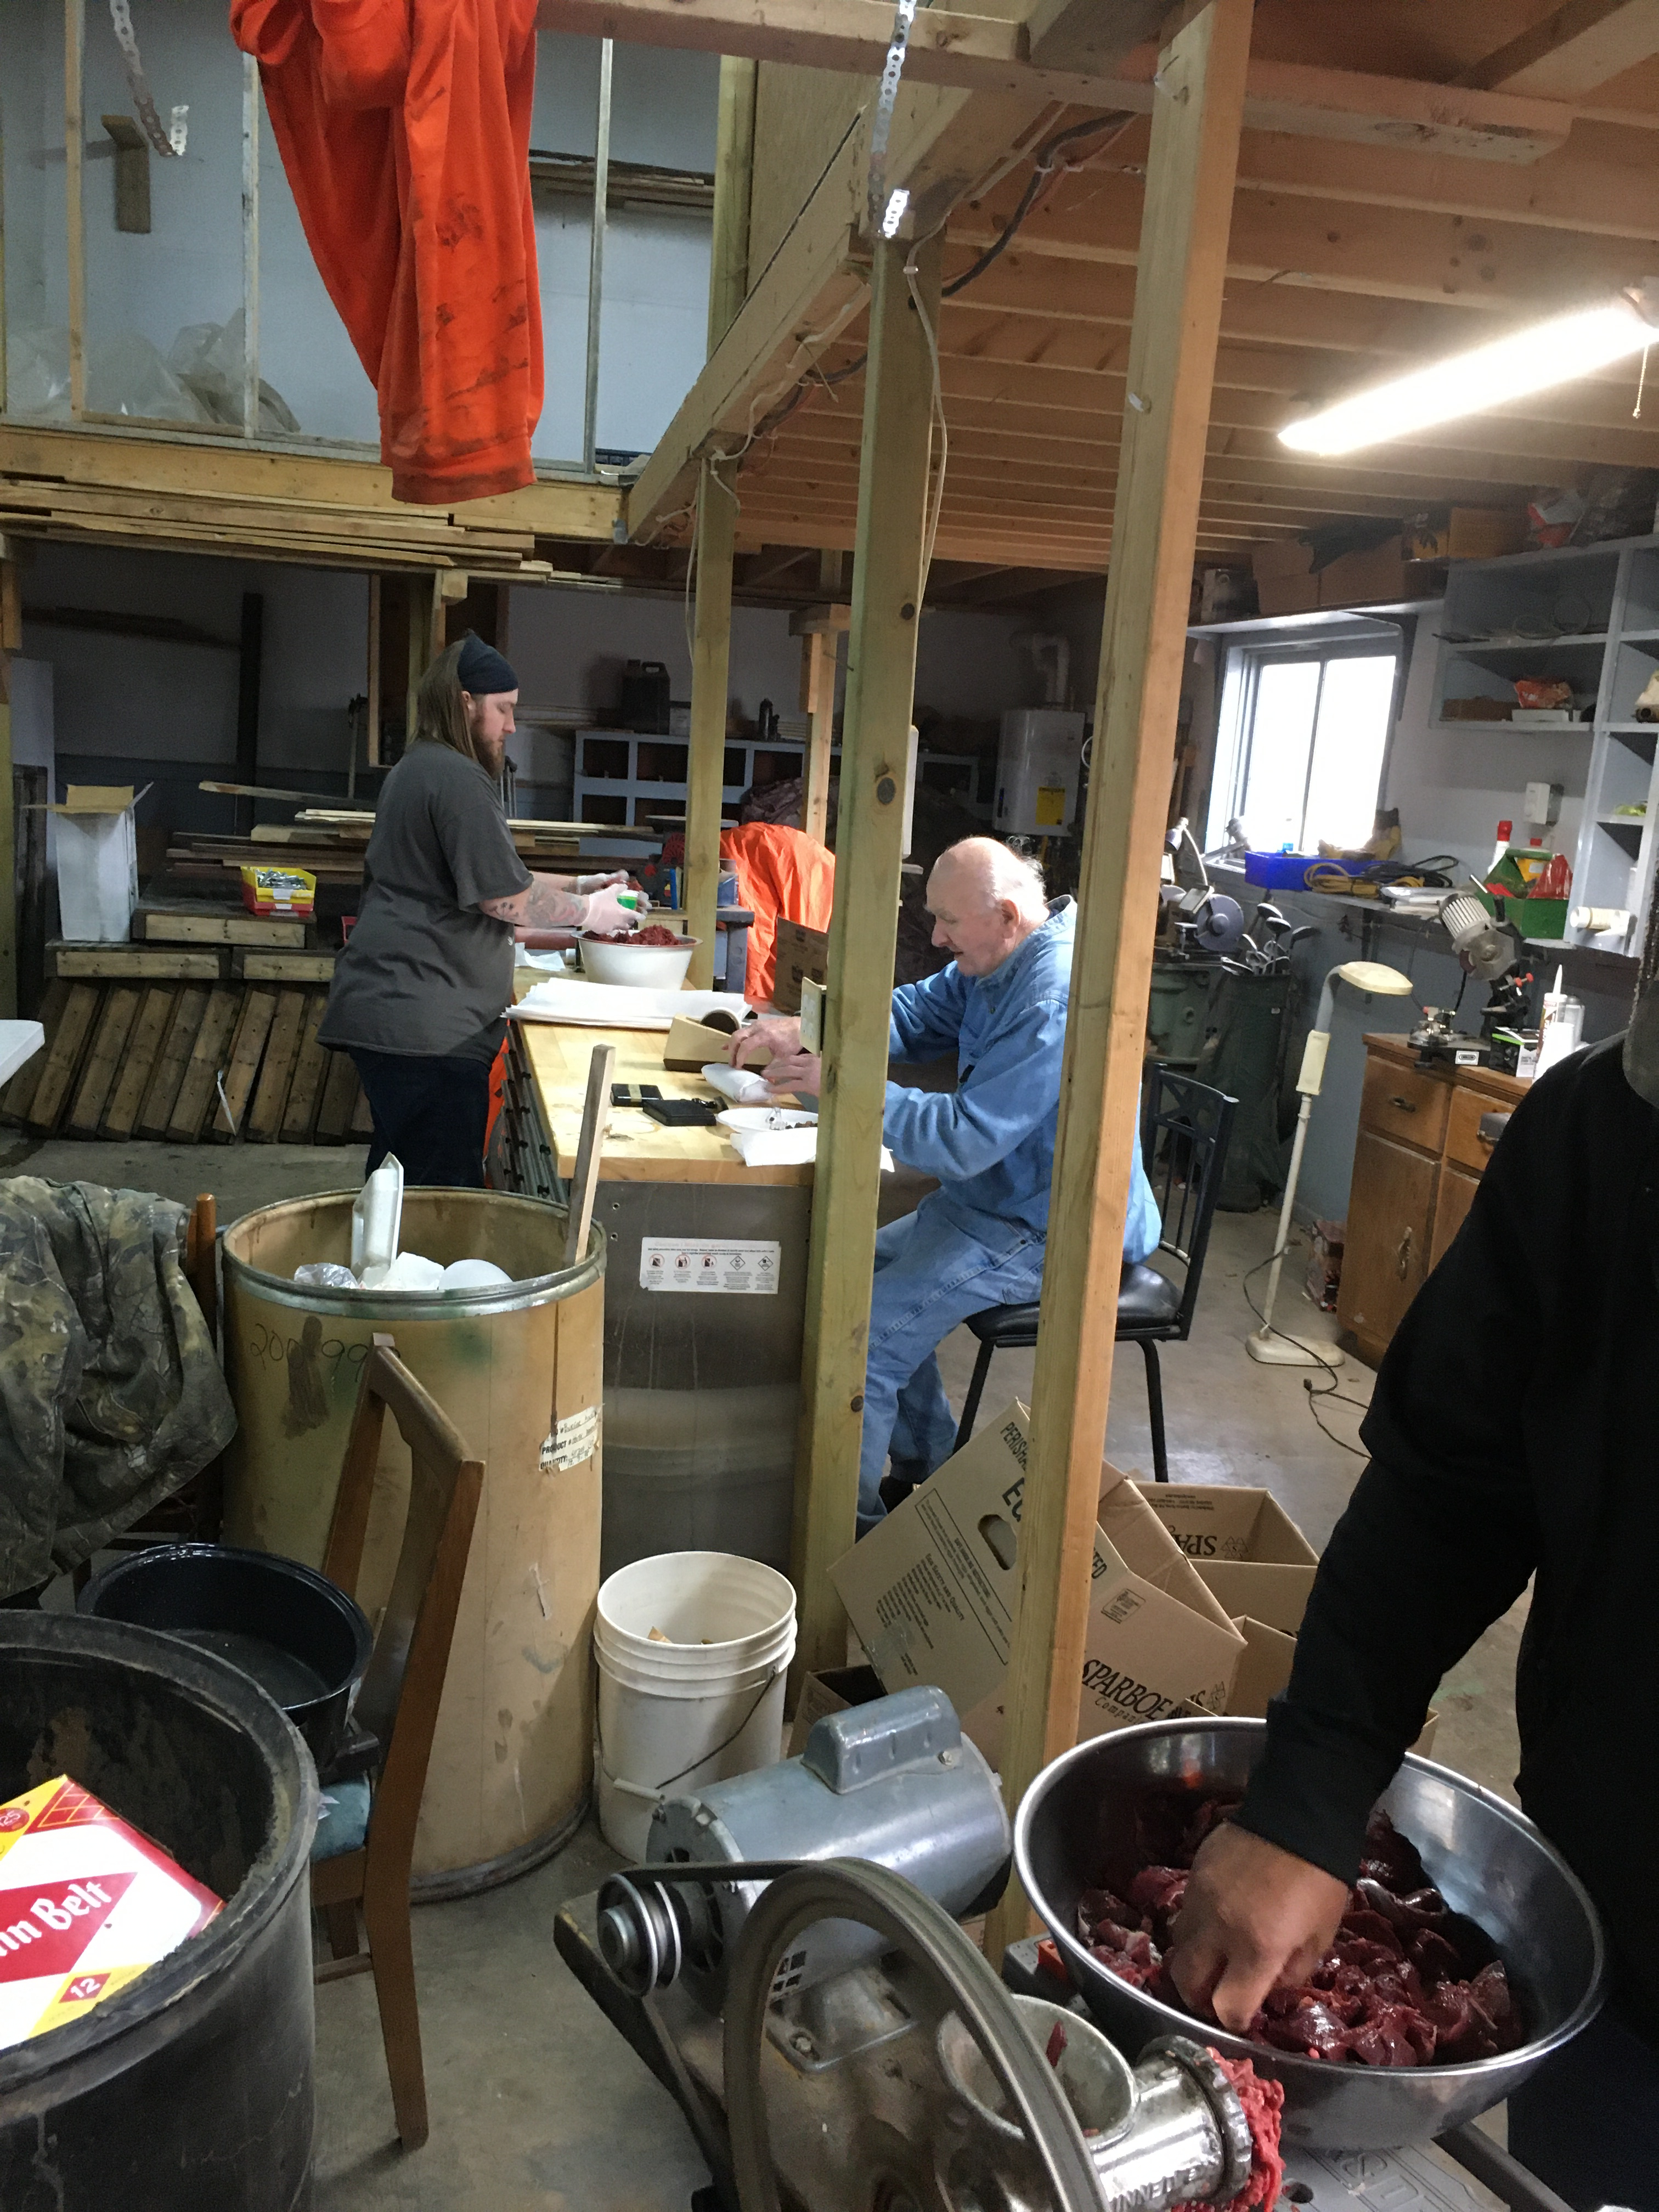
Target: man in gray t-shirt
[(420, 993)]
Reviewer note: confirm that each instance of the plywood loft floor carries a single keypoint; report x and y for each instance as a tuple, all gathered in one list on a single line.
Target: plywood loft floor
[(537, 2106)]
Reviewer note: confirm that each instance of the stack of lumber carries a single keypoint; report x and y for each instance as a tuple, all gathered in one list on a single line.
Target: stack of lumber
[(326, 533), (151, 1058), (330, 846)]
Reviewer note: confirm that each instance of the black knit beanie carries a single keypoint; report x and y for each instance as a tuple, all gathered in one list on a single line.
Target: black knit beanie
[(481, 670)]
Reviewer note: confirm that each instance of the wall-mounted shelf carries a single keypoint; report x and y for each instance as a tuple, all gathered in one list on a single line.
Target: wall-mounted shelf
[(1617, 585)]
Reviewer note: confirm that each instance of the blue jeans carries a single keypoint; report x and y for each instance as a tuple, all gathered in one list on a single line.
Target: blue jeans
[(930, 1275)]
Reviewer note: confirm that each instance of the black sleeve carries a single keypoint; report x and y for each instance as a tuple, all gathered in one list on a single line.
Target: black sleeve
[(1442, 1532)]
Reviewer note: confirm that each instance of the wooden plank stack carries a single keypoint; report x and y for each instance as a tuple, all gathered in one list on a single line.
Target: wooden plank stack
[(203, 1031)]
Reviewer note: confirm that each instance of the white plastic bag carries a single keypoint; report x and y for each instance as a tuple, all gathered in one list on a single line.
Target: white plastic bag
[(409, 1271), (211, 359), (326, 1275)]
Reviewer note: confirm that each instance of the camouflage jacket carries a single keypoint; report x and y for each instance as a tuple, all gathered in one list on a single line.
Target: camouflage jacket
[(111, 1396)]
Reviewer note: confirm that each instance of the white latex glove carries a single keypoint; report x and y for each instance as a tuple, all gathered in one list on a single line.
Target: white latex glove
[(605, 916), (618, 876)]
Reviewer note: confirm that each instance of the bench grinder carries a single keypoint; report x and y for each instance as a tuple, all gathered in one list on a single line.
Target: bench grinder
[(789, 1964)]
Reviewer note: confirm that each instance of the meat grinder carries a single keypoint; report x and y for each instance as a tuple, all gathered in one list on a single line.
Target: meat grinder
[(789, 1963)]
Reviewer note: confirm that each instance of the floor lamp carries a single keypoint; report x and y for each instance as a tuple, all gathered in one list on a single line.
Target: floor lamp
[(1272, 1347)]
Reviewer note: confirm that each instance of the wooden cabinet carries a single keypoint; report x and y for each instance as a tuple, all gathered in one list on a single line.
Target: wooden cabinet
[(1417, 1166)]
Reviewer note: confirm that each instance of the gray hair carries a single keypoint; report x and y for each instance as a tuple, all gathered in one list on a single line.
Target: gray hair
[(1007, 874)]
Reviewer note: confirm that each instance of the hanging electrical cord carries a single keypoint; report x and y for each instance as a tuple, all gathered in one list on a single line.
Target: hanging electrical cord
[(1046, 165), (931, 530)]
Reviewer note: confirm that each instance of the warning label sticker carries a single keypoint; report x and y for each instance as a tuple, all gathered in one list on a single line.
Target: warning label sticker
[(745, 1265), (572, 1442)]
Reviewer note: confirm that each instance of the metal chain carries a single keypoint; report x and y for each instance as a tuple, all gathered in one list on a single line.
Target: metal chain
[(169, 142), (884, 219)]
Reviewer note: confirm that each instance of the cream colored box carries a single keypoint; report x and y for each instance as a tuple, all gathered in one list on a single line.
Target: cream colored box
[(931, 1594), (1250, 1553)]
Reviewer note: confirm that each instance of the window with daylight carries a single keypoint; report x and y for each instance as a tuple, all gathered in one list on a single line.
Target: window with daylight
[(1304, 735)]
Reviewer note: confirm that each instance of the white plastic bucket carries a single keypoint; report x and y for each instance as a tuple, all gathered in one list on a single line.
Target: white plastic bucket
[(704, 1704)]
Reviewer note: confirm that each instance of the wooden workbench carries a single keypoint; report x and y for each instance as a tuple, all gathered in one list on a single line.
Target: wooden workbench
[(701, 1386), (636, 1148)]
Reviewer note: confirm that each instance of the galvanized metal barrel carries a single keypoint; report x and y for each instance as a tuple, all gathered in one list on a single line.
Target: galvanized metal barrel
[(518, 1370)]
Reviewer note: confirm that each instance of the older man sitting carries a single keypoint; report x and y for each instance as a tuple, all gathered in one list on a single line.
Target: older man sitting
[(978, 1240)]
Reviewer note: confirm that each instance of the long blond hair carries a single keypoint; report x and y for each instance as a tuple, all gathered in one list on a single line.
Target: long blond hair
[(441, 706)]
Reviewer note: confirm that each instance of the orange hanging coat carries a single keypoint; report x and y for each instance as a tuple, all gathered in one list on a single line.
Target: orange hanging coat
[(405, 129), (783, 875)]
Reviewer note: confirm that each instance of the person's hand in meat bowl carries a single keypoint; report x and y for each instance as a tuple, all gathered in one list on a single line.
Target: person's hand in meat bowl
[(1253, 1916)]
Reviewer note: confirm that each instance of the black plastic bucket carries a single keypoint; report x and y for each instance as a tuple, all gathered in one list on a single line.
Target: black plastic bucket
[(189, 2090), (301, 1639)]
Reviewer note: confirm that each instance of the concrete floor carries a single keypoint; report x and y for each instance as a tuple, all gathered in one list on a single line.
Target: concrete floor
[(537, 2104)]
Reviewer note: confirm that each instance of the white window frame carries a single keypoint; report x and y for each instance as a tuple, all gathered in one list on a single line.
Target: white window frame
[(1236, 720)]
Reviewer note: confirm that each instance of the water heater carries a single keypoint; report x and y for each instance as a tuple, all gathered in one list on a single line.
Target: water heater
[(1039, 759)]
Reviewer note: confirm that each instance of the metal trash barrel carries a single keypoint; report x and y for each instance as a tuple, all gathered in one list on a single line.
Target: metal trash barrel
[(192, 2087), (518, 1370)]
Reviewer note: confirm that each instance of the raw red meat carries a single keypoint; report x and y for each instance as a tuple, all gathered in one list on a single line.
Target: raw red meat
[(655, 933), (1263, 2102), (1407, 1981)]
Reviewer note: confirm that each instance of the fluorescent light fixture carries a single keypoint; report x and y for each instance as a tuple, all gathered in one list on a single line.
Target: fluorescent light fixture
[(1528, 361), (895, 215)]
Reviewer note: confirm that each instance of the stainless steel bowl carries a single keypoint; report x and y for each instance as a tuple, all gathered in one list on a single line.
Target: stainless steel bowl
[(1486, 1859)]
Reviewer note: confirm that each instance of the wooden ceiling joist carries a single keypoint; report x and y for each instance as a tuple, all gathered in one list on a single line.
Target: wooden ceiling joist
[(1345, 261), (1573, 50)]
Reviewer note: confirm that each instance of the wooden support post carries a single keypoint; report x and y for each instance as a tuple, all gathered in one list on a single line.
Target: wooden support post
[(250, 104), (717, 517), (250, 658), (74, 144), (734, 169), (818, 655), (881, 673), (1172, 347), (371, 684), (426, 639)]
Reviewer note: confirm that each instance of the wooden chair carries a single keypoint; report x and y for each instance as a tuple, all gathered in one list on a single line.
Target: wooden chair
[(399, 1701)]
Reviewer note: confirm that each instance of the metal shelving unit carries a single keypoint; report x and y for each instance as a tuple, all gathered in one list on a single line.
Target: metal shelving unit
[(624, 777), (1589, 617)]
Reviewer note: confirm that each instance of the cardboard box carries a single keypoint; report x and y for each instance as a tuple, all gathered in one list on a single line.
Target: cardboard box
[(1466, 533), (1385, 574), (1251, 1555), (97, 862), (1287, 595), (830, 1691), (801, 953), (1280, 557), (1264, 1670), (86, 1905), (931, 1594)]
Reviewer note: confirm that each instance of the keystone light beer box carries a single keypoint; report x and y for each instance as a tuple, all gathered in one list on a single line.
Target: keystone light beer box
[(931, 1592), (86, 1905)]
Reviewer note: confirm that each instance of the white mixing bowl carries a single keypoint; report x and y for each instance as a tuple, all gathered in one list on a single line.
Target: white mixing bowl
[(641, 967)]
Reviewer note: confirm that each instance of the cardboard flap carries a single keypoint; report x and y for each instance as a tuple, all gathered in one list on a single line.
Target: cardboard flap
[(95, 798), (1147, 1545)]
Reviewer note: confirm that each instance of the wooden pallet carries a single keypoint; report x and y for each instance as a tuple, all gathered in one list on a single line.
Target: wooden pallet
[(169, 925), (123, 962), (189, 1061)]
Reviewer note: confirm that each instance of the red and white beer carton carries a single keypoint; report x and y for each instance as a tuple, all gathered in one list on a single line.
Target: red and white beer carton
[(86, 1905)]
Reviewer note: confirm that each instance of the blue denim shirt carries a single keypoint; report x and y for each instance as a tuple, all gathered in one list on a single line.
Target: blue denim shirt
[(991, 1141)]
